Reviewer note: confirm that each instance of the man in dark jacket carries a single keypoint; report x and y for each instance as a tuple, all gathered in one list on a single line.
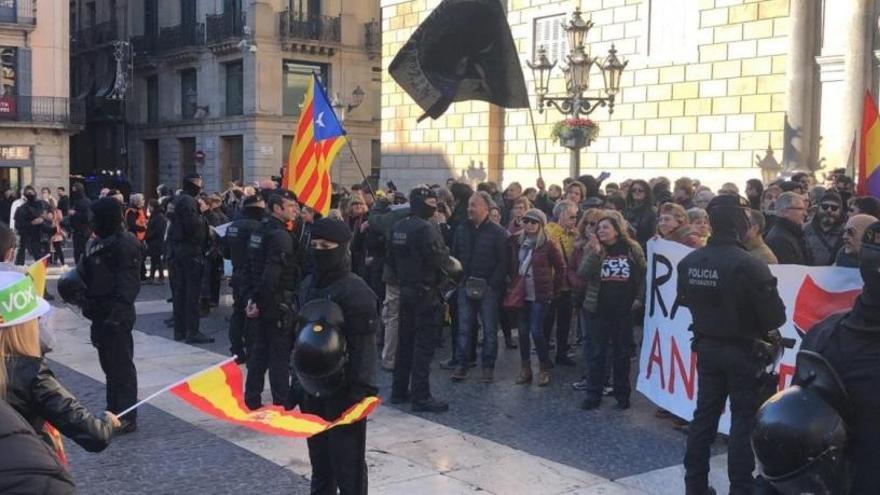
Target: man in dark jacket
[(235, 244), (416, 254), (786, 237), (481, 246), (187, 240), (30, 224), (27, 464), (274, 263), (851, 343), (338, 455), (80, 219), (824, 235), (111, 272)]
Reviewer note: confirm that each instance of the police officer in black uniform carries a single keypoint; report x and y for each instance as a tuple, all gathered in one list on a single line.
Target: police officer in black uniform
[(416, 257), (274, 259), (337, 455), (187, 242), (235, 245), (734, 303), (79, 216), (111, 273), (851, 344)]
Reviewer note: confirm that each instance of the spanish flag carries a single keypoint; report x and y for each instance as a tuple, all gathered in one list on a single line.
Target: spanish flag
[(318, 138), (217, 391), (38, 272), (869, 156)]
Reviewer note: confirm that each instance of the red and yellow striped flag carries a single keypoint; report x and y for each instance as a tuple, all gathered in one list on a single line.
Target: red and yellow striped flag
[(218, 391), (38, 272), (319, 136)]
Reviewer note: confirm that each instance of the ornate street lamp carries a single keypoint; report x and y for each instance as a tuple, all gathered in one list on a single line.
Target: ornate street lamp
[(341, 107), (577, 80)]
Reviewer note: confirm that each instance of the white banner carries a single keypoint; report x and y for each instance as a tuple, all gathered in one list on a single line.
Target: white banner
[(667, 368)]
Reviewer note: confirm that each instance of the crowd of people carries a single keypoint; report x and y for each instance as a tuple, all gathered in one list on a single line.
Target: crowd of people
[(563, 265)]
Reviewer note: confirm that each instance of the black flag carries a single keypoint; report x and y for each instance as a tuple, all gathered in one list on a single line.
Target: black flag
[(463, 51)]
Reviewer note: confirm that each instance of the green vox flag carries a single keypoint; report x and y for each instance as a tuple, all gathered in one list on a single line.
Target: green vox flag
[(463, 51)]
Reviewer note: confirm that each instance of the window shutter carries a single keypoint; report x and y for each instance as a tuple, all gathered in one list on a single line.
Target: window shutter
[(23, 82)]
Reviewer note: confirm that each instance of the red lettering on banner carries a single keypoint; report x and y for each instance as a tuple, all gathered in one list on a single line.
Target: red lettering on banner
[(656, 357), (688, 378), (785, 372)]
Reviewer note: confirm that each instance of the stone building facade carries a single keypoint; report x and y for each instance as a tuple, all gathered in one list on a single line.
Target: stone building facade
[(709, 86), (37, 116), (215, 86)]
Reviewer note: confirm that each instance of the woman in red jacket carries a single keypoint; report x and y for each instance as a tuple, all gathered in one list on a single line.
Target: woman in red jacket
[(538, 261)]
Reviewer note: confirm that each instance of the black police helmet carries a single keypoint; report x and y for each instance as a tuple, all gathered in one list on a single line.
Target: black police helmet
[(320, 352), (71, 287), (800, 436)]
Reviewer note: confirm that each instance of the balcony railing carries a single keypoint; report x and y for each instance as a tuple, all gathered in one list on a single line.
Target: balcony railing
[(221, 27), (96, 36), (169, 38), (42, 109), (19, 12), (373, 37), (314, 28)]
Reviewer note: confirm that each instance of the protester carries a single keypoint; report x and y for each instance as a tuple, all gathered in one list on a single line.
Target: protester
[(155, 242), (754, 239), (640, 211), (786, 237), (824, 234), (699, 220), (848, 256), (673, 225), (867, 205), (537, 268), (754, 193), (684, 193), (562, 231)]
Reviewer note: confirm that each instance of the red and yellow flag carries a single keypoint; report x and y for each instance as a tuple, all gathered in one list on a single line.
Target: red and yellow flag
[(218, 391), (319, 136), (38, 272), (869, 156)]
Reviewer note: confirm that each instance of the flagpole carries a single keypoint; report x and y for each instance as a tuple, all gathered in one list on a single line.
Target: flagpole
[(535, 136), (169, 387), (358, 162)]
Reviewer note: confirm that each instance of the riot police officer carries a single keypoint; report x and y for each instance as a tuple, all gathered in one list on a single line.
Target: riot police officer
[(80, 219), (187, 241), (851, 344), (734, 303), (111, 273), (416, 256), (335, 373), (235, 244), (274, 260)]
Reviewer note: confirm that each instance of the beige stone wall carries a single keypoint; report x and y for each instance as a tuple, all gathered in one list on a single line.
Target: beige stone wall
[(705, 119)]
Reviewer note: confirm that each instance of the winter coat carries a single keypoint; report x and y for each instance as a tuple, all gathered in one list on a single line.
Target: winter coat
[(786, 240), (547, 265), (565, 240), (759, 249), (35, 393), (482, 252), (27, 464), (823, 246), (644, 220), (155, 238)]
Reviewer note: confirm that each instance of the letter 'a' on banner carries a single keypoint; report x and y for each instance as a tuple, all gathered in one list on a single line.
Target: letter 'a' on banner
[(463, 50), (668, 367), (218, 391)]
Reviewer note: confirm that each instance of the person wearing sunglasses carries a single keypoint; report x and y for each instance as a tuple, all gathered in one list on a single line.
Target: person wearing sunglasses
[(824, 234), (640, 211), (536, 270), (848, 255)]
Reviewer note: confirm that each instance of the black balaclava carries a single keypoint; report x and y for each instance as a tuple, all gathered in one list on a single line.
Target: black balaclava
[(418, 205), (331, 263), (106, 217), (77, 191), (728, 216), (251, 208), (189, 185), (30, 194), (865, 315)]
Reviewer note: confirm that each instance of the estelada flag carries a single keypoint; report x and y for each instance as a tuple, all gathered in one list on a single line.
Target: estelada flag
[(318, 138), (218, 391), (38, 272), (869, 156), (464, 50)]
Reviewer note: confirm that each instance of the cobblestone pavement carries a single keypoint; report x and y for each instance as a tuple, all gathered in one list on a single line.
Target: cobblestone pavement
[(544, 422)]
